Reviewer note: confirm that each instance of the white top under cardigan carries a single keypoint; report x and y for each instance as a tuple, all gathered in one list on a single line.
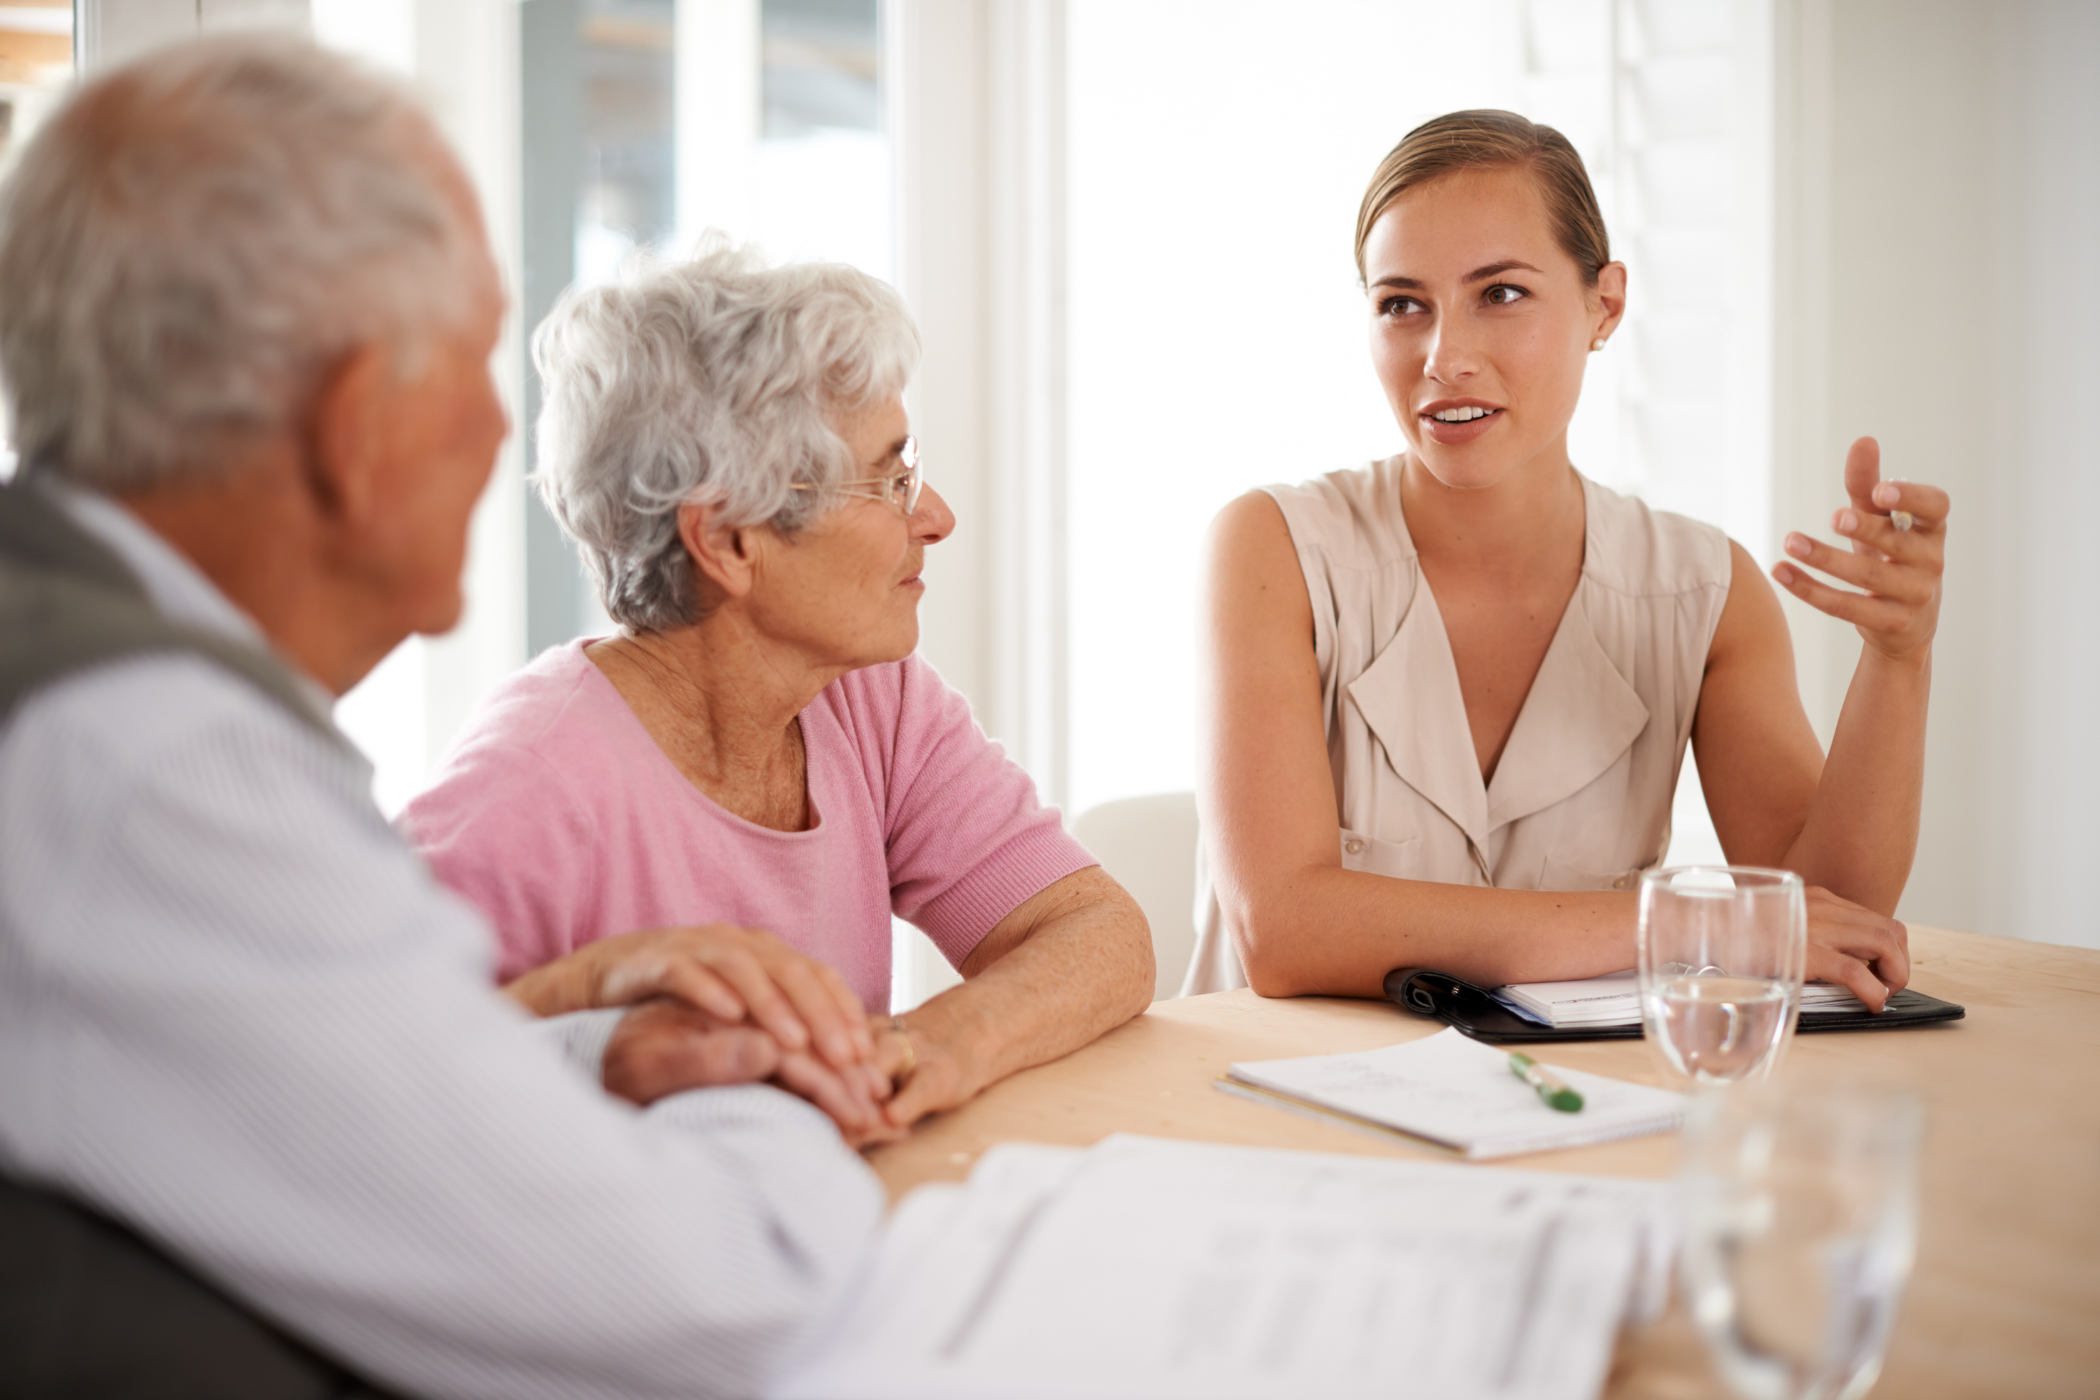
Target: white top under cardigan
[(1581, 797)]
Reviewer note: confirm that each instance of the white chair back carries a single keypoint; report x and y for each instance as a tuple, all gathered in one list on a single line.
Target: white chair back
[(1148, 844)]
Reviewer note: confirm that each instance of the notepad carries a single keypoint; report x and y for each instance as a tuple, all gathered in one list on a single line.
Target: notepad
[(1615, 1000), (1460, 1093)]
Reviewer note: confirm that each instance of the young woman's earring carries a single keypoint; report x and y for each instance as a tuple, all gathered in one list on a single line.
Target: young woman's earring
[(1597, 344)]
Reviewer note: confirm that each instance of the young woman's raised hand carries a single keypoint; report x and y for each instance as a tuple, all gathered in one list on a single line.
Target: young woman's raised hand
[(1898, 569)]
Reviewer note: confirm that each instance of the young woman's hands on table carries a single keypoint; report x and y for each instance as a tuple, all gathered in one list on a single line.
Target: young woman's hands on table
[(1866, 952)]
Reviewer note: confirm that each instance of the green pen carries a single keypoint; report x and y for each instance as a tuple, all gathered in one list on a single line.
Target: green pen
[(1550, 1089)]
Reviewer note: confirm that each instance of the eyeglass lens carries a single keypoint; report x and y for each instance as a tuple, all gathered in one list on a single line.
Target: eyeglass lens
[(914, 478)]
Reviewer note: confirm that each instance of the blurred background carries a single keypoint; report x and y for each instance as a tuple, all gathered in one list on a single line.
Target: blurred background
[(1125, 227)]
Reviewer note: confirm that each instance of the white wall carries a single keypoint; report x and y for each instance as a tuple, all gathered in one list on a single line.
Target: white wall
[(1937, 289)]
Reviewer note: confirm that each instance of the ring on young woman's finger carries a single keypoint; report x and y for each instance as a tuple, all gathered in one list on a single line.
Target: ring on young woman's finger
[(1901, 519)]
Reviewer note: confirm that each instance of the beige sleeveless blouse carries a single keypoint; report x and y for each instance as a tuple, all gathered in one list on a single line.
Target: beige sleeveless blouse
[(1581, 797)]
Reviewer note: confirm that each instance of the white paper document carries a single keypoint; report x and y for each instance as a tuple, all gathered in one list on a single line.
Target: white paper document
[(1460, 1093), (1615, 1000), (1593, 1001), (1163, 1270)]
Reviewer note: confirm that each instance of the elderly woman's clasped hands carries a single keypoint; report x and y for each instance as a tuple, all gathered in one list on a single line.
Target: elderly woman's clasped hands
[(719, 1004)]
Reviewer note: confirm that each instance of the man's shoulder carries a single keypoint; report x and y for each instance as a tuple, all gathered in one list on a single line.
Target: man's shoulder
[(137, 789), (124, 715)]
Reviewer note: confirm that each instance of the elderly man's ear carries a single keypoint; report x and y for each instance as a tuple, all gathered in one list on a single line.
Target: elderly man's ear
[(351, 434), (726, 558)]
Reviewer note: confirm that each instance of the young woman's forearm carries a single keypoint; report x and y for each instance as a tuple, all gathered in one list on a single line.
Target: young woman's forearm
[(1862, 830), (1324, 930)]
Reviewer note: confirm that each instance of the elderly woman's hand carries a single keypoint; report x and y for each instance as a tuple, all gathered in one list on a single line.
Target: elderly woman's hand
[(929, 1073), (664, 1047), (735, 975)]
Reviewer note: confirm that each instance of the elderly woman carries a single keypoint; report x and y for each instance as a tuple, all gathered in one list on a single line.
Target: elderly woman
[(757, 770)]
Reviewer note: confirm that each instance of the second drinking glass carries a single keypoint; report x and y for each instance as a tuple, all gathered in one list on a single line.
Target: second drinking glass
[(1722, 954)]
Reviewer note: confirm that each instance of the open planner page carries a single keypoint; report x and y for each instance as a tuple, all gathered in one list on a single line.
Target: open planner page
[(1615, 1000)]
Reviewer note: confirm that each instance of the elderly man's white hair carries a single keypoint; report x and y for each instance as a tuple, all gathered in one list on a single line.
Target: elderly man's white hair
[(195, 239), (712, 382)]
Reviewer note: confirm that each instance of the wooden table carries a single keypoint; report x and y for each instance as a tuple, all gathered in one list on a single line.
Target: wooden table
[(2005, 1298)]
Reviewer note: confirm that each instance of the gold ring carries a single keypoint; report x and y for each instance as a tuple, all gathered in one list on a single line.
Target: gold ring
[(1901, 519), (911, 1052)]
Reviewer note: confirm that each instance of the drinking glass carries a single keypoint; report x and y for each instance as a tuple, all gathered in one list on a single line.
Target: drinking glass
[(1722, 952), (1800, 1223)]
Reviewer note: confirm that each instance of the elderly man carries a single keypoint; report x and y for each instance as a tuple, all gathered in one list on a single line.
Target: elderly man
[(264, 1126)]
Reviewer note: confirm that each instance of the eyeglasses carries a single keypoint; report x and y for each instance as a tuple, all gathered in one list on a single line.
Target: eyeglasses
[(900, 489)]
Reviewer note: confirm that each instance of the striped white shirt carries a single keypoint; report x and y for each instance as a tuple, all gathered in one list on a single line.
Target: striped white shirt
[(238, 1014)]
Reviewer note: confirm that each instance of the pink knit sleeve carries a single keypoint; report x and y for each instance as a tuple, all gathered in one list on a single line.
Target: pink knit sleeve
[(499, 828), (968, 839)]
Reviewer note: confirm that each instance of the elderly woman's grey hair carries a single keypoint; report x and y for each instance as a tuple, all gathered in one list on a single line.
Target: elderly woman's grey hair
[(716, 382), (196, 239)]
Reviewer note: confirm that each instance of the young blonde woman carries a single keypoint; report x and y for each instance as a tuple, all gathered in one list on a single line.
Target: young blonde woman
[(1446, 696)]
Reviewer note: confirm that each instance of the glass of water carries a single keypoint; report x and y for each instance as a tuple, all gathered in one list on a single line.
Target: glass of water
[(1800, 1223), (1722, 953)]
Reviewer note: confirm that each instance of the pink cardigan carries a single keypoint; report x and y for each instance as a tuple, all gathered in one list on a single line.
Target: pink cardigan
[(561, 819)]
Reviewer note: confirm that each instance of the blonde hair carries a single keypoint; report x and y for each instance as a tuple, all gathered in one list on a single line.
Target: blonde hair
[(1484, 140)]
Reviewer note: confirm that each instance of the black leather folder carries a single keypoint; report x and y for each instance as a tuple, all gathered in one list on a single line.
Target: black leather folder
[(1469, 1008)]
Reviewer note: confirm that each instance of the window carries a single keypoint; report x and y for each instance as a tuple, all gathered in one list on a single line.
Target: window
[(822, 163), (620, 125), (1217, 336), (598, 161), (36, 64), (628, 194), (645, 123)]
